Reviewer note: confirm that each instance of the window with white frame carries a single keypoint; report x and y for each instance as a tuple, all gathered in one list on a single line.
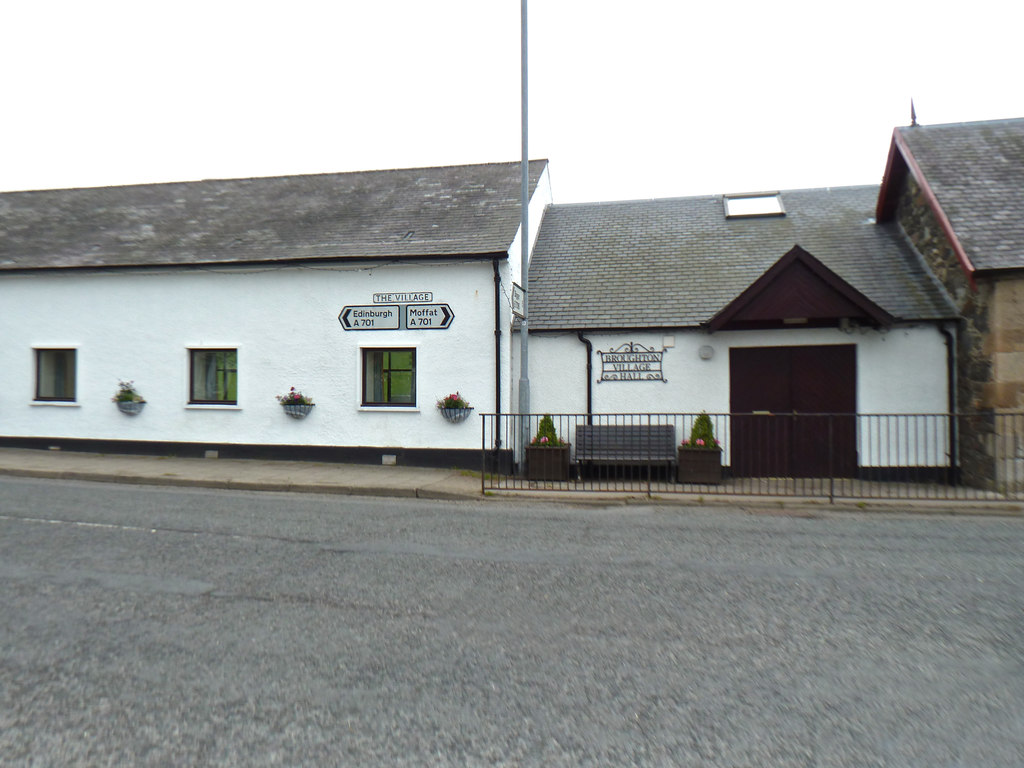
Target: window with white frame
[(752, 205), (55, 374), (389, 377), (213, 376)]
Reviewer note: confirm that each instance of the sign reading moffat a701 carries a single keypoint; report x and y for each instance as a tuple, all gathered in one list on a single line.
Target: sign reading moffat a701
[(392, 317)]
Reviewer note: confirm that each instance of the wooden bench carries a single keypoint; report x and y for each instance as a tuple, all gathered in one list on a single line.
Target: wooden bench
[(626, 444)]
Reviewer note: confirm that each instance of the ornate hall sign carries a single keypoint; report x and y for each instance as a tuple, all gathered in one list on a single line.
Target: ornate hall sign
[(631, 362)]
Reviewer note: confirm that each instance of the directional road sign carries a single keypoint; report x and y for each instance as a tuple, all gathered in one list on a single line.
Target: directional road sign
[(518, 300), (376, 317), (427, 316)]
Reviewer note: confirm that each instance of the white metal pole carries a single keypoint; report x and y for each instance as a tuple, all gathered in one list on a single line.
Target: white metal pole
[(524, 336)]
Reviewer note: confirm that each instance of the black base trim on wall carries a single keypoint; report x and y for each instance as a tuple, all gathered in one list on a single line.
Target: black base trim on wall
[(927, 475), (438, 458)]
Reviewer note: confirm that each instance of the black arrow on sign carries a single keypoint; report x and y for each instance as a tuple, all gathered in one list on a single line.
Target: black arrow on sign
[(343, 317), (448, 316)]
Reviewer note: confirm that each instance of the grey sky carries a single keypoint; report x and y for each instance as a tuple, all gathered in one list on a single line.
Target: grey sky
[(650, 98)]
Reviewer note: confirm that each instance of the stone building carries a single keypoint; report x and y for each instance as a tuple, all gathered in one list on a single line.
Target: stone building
[(957, 192)]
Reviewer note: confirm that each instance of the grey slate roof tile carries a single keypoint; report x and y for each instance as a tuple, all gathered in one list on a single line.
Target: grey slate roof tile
[(976, 171), (452, 210), (677, 262)]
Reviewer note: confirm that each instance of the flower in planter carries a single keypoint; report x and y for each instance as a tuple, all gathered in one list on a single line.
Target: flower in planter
[(546, 436), (126, 393), (702, 434), (294, 397), (454, 400)]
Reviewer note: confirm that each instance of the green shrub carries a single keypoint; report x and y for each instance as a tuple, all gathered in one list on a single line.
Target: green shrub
[(546, 434), (702, 433)]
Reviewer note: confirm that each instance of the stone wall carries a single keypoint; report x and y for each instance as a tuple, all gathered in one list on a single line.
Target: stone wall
[(1005, 345), (974, 376), (990, 349)]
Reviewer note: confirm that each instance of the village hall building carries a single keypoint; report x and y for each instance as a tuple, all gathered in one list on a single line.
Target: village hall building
[(777, 303)]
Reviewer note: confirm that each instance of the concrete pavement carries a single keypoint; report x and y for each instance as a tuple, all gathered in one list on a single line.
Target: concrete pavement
[(407, 482), (244, 474)]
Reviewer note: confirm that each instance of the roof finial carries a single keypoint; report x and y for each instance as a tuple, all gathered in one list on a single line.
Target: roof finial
[(913, 114)]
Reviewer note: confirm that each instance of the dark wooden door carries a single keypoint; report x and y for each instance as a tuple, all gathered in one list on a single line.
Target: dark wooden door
[(793, 411)]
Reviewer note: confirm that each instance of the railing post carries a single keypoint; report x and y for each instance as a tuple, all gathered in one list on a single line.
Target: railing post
[(648, 447), (831, 457)]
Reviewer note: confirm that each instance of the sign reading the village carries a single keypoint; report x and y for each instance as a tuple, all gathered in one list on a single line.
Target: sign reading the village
[(631, 362), (412, 297), (373, 318), (418, 316)]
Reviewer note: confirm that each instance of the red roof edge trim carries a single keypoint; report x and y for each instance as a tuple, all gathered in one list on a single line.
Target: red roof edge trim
[(933, 203), (895, 172)]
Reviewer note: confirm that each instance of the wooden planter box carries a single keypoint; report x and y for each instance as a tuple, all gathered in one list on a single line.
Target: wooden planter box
[(700, 465), (547, 463)]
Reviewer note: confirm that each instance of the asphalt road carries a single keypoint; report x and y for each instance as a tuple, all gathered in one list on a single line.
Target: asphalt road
[(171, 627)]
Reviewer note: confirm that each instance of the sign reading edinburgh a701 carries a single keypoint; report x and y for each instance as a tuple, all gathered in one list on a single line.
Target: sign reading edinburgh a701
[(378, 317)]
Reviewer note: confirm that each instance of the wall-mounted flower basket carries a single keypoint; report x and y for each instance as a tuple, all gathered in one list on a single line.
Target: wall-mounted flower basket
[(298, 410), (454, 408), (130, 407), (296, 404), (455, 415), (128, 399), (700, 465)]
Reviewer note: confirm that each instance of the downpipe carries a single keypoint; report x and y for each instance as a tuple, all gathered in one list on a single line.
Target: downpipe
[(590, 376)]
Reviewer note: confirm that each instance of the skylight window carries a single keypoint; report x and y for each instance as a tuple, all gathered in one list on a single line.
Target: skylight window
[(769, 204)]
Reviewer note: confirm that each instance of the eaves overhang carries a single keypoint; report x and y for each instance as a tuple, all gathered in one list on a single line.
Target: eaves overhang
[(298, 262)]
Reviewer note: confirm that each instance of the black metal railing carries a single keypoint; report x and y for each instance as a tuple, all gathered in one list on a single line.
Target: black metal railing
[(855, 456)]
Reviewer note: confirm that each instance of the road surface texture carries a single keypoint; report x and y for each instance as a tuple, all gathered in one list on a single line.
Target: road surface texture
[(173, 627)]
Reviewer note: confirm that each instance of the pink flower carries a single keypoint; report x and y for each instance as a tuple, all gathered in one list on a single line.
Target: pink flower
[(700, 442), (543, 439)]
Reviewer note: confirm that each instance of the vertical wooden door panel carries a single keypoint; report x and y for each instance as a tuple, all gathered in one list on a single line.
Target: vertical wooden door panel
[(783, 381)]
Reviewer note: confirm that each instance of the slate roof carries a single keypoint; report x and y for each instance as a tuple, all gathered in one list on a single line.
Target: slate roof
[(976, 171), (458, 211), (677, 262)]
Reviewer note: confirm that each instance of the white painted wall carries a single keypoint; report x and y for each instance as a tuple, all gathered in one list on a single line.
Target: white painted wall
[(139, 325), (901, 371)]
